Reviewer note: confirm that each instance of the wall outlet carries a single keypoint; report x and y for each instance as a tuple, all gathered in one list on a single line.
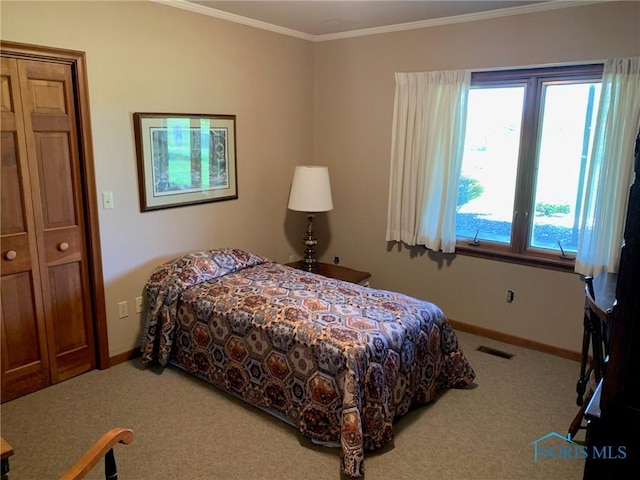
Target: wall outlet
[(509, 296), (292, 258), (123, 309), (138, 304)]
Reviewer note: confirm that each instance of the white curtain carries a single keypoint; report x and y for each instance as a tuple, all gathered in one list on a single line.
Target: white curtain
[(610, 171), (427, 145)]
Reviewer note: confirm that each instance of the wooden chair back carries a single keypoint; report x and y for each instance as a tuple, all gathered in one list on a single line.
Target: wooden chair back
[(102, 448)]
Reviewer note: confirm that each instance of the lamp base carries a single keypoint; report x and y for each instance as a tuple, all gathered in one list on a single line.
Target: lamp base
[(309, 262), (309, 266)]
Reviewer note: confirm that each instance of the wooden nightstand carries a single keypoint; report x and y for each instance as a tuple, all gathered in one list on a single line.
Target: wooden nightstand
[(338, 272)]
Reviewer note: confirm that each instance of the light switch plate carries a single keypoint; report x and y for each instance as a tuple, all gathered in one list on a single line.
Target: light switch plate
[(123, 309), (138, 304), (107, 200)]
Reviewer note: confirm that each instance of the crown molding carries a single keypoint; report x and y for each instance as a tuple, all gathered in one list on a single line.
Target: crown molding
[(232, 17), (472, 17)]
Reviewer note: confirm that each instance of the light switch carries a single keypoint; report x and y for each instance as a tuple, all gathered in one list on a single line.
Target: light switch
[(123, 309), (107, 200)]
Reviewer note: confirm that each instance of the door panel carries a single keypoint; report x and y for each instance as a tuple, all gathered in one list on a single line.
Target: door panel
[(56, 189), (63, 245), (6, 100), (70, 319), (16, 254), (47, 92), (13, 219), (47, 298), (25, 365), (49, 114), (25, 357), (21, 330), (65, 282)]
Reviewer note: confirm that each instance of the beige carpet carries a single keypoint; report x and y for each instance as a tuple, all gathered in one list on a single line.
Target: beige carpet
[(185, 429)]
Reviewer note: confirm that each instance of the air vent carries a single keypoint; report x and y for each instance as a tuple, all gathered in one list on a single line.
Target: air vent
[(493, 351)]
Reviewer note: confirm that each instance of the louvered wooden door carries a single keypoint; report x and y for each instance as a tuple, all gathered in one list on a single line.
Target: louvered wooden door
[(47, 329)]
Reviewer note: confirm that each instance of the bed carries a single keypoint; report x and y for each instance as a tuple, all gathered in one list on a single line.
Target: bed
[(338, 360)]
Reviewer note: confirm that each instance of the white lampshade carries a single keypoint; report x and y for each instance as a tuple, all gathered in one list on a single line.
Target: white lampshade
[(310, 189)]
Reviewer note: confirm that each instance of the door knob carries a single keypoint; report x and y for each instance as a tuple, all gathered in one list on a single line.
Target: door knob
[(63, 247), (10, 255)]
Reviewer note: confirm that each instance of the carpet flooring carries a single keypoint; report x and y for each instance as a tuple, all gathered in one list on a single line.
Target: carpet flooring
[(186, 429)]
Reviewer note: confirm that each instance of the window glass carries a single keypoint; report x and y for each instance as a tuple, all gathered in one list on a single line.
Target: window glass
[(528, 141), (488, 179), (568, 122)]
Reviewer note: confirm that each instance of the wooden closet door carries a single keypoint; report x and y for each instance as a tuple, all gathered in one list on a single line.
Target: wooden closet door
[(52, 148), (47, 156), (25, 361)]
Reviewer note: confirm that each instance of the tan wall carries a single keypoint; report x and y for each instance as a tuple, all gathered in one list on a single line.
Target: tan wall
[(146, 57), (354, 101)]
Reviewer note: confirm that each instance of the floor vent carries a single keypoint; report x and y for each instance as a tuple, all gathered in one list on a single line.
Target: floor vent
[(493, 351)]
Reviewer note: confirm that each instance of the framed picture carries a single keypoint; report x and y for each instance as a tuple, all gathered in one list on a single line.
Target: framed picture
[(185, 159)]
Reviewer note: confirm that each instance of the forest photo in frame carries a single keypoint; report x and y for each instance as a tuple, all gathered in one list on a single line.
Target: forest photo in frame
[(185, 159)]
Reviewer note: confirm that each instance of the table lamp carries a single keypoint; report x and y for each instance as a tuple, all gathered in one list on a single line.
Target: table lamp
[(310, 193)]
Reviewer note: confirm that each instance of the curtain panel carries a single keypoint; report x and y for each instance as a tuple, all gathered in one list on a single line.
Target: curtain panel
[(429, 121), (610, 172)]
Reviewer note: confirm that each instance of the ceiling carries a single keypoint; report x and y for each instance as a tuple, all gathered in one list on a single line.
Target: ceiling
[(324, 20)]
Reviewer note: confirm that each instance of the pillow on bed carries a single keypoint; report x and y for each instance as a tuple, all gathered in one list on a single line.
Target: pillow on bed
[(234, 259), (195, 267), (226, 260), (169, 280)]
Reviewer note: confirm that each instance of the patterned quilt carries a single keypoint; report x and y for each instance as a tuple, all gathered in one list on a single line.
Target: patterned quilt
[(338, 360)]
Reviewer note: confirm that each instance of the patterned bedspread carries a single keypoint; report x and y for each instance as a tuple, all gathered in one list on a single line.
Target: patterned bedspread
[(339, 360)]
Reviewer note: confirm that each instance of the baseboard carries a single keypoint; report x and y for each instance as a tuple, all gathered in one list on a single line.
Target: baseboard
[(124, 356), (518, 341)]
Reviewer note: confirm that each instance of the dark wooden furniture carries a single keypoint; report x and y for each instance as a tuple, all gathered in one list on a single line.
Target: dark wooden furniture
[(6, 451), (613, 417), (338, 272), (600, 299)]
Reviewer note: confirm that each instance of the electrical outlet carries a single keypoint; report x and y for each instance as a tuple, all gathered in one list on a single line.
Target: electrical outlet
[(123, 309), (138, 304), (292, 258)]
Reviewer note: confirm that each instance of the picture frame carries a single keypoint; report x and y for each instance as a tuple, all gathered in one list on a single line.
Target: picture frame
[(185, 159)]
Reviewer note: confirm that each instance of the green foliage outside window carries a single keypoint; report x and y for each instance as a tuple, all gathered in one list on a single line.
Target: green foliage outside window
[(468, 189), (548, 209)]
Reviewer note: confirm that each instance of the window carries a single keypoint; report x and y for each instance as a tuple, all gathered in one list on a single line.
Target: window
[(527, 144)]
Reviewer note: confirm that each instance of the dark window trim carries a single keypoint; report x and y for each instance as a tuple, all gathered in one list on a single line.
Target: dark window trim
[(533, 79)]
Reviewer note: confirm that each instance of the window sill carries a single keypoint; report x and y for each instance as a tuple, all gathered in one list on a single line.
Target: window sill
[(533, 258)]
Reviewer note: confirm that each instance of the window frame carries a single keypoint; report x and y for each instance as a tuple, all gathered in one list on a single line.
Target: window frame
[(533, 80)]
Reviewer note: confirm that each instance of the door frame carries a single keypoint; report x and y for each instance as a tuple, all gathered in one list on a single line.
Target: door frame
[(77, 61)]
